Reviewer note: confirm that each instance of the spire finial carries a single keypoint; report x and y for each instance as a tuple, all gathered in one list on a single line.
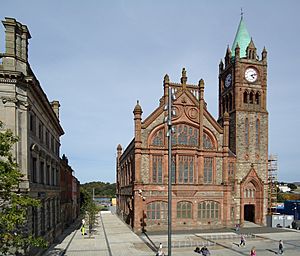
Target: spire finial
[(242, 13)]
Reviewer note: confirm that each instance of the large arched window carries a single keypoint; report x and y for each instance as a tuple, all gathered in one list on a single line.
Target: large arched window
[(184, 210), (186, 169), (185, 135), (158, 138), (157, 210), (207, 143), (209, 210)]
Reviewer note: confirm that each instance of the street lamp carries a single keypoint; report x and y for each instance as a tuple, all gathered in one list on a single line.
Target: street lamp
[(169, 135)]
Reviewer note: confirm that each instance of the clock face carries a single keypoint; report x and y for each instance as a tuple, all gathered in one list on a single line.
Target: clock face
[(228, 80), (251, 75)]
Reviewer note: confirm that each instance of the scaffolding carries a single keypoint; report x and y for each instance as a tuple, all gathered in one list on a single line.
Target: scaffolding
[(272, 182)]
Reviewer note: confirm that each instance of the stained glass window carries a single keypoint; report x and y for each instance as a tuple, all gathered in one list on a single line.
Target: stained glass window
[(186, 169), (157, 210), (209, 210), (208, 170), (184, 210), (157, 169), (207, 143), (185, 135), (158, 138)]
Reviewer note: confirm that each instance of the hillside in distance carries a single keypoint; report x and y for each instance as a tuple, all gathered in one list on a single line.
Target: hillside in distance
[(101, 189)]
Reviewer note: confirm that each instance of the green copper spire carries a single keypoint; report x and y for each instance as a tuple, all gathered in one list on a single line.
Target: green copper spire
[(242, 38)]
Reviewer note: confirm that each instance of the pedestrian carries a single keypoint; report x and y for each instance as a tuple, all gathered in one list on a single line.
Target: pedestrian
[(205, 251), (160, 251), (253, 251), (280, 247), (83, 227), (237, 227), (243, 241)]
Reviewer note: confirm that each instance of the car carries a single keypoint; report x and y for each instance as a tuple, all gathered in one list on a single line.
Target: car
[(296, 224)]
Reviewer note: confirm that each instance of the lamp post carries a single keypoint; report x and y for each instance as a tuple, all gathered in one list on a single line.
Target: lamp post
[(169, 135)]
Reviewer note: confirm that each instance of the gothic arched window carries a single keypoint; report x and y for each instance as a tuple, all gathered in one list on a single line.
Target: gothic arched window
[(245, 97), (185, 135), (207, 143), (158, 139)]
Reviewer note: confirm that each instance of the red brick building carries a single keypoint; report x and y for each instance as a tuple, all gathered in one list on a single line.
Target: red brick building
[(219, 167), (69, 193)]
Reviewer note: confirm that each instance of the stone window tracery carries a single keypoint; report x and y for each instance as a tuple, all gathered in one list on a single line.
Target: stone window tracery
[(185, 135), (158, 138), (186, 170), (157, 169), (208, 170), (207, 143), (209, 210), (184, 210), (157, 210)]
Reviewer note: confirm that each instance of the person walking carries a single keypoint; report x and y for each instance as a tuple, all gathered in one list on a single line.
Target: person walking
[(243, 241), (280, 247), (160, 250), (253, 251), (83, 227)]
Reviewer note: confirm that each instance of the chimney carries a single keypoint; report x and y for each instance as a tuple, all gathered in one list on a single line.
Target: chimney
[(16, 38)]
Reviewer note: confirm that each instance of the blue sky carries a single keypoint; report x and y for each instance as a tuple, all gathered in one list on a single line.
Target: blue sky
[(98, 57)]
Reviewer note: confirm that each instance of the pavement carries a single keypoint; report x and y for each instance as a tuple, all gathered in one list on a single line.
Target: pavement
[(112, 237)]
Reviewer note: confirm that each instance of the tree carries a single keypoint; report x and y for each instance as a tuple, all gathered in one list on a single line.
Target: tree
[(14, 203), (292, 186), (91, 211)]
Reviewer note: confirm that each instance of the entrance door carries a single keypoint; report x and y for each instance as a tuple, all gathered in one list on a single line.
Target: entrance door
[(249, 212)]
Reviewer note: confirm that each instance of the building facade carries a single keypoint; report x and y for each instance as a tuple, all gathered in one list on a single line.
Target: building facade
[(26, 110), (219, 167), (70, 193)]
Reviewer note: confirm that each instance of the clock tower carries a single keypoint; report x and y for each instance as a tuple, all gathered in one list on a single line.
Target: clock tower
[(242, 94)]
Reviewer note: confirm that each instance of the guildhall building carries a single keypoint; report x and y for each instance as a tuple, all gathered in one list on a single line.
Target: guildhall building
[(219, 168)]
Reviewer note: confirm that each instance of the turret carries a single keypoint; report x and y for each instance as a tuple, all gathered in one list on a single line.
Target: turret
[(251, 51)]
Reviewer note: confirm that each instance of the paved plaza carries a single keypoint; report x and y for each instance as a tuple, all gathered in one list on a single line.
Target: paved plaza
[(112, 237)]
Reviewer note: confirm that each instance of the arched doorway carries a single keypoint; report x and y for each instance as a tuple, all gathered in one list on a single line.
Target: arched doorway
[(249, 212)]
